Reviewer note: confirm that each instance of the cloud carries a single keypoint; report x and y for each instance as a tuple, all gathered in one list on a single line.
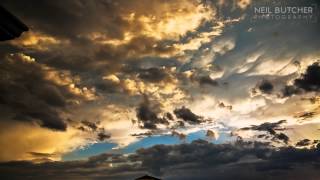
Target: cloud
[(128, 30), (92, 126), (38, 41), (110, 54), (271, 128), (306, 115), (29, 138), (265, 87), (212, 134), (152, 75), (304, 142), (192, 161), (308, 82), (207, 80), (187, 115), (147, 114), (181, 136), (290, 90), (35, 93), (222, 105), (103, 136)]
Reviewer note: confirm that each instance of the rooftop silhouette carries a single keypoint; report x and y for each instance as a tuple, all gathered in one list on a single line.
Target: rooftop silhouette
[(147, 177), (10, 26)]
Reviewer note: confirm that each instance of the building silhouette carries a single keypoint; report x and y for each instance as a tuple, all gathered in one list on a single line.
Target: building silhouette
[(10, 26), (147, 177)]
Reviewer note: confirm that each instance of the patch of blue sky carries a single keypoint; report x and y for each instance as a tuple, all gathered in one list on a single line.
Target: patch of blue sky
[(146, 142), (91, 150)]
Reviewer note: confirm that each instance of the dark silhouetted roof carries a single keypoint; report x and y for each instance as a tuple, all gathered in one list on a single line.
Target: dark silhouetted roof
[(146, 177), (10, 26)]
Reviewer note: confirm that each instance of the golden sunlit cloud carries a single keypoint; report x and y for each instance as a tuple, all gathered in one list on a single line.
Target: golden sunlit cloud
[(38, 41), (30, 138), (111, 73)]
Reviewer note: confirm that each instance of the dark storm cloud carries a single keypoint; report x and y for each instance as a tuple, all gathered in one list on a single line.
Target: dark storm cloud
[(41, 155), (26, 94), (93, 127), (290, 90), (187, 115), (147, 114), (153, 75), (75, 22), (306, 115), (207, 80), (304, 142), (107, 86), (265, 87), (142, 135), (103, 136), (268, 127), (272, 129), (308, 82), (197, 160), (281, 137), (169, 116), (90, 125)]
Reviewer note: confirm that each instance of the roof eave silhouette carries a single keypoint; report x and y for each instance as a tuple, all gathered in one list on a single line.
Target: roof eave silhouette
[(10, 26)]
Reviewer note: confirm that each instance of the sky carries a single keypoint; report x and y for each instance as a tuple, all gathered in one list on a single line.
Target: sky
[(178, 89)]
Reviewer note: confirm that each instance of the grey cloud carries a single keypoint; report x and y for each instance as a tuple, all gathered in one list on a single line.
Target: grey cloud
[(310, 79), (282, 137), (290, 90), (304, 142), (153, 74), (41, 155), (102, 136), (265, 87), (207, 80), (26, 94), (147, 114), (222, 105), (181, 136), (262, 48), (272, 129), (93, 127), (187, 115), (306, 115), (169, 116), (142, 135), (90, 125), (269, 127), (308, 82), (199, 159), (74, 21)]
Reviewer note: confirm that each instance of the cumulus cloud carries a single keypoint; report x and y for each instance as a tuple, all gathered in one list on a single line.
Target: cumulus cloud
[(308, 82), (207, 80), (32, 92), (152, 74), (272, 129), (187, 115), (304, 142), (112, 54), (147, 114), (265, 87)]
